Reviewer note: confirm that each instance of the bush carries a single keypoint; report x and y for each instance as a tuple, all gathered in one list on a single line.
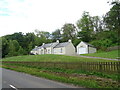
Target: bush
[(102, 44)]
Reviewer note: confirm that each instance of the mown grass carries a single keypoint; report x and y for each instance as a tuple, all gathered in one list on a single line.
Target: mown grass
[(110, 54), (50, 74), (62, 75), (54, 58)]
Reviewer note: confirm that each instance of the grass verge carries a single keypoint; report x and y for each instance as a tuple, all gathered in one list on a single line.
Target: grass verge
[(79, 78)]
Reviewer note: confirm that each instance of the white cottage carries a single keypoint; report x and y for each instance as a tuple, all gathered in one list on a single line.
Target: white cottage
[(84, 48), (34, 51), (47, 48), (55, 48), (65, 48)]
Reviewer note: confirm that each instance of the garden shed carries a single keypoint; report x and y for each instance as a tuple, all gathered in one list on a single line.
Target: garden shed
[(85, 48)]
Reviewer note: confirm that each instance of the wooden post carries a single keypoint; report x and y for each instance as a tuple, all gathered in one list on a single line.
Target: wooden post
[(100, 66)]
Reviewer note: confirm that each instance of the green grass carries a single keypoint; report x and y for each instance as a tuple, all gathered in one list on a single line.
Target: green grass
[(53, 58), (79, 81), (110, 54), (113, 76), (59, 74)]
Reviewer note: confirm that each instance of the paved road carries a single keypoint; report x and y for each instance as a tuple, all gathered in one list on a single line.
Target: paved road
[(13, 79)]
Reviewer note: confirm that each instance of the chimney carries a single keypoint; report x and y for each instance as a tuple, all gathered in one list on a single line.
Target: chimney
[(57, 41), (69, 41), (43, 44), (35, 46)]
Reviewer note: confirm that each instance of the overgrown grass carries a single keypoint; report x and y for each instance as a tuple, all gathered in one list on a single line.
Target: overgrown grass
[(54, 58), (110, 54)]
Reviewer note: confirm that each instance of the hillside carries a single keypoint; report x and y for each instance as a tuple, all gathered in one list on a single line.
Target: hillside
[(53, 58)]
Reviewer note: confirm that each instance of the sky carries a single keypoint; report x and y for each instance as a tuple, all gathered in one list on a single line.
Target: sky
[(45, 15)]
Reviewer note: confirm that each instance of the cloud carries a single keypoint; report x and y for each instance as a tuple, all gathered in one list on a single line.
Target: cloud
[(48, 15), (13, 7), (4, 11)]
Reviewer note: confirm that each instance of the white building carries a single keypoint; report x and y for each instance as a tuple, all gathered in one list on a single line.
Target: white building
[(55, 48), (84, 48), (65, 48)]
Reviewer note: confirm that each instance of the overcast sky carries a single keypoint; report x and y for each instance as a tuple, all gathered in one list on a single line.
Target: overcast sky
[(47, 15)]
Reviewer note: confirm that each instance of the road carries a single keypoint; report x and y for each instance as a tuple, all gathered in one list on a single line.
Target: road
[(15, 80)]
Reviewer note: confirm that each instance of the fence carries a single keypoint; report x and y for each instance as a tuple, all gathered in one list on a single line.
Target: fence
[(108, 67)]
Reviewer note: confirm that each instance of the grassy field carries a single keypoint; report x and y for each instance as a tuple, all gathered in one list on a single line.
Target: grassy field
[(73, 76), (53, 58), (110, 54)]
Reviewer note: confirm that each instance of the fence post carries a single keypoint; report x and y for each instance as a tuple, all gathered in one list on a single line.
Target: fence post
[(100, 66), (66, 65), (54, 64)]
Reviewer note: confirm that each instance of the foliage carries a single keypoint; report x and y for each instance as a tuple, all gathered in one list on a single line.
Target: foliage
[(56, 35), (112, 18), (4, 46), (21, 44), (69, 31), (85, 25)]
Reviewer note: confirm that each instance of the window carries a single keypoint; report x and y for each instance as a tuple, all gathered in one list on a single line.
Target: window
[(61, 50), (81, 46), (48, 51)]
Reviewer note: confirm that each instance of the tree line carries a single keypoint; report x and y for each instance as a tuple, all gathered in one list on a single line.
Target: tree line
[(102, 32)]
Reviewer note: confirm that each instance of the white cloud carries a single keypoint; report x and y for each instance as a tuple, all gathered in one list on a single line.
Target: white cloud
[(28, 15)]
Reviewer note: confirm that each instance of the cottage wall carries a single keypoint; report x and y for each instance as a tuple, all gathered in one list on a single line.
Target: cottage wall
[(82, 45), (60, 50), (48, 50), (70, 49), (91, 50)]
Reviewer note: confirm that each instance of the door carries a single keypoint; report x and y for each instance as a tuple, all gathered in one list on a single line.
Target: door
[(82, 50)]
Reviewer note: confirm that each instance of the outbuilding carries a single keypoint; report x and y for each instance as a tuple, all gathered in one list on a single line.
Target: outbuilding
[(85, 48)]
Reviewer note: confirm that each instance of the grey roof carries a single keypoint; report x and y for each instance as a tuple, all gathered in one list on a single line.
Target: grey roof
[(54, 45), (88, 44), (61, 45), (48, 45), (39, 47), (35, 49)]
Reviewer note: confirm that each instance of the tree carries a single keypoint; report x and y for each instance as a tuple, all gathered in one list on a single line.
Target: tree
[(42, 34), (16, 44), (30, 46), (21, 51), (86, 27), (4, 46), (0, 47), (11, 49), (112, 18), (97, 24), (56, 35), (69, 31)]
